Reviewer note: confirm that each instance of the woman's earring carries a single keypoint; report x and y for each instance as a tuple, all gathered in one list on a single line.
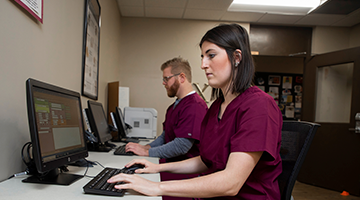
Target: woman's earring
[(236, 64)]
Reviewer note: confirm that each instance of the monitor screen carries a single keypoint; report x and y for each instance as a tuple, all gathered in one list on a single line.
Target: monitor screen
[(120, 123), (56, 126), (98, 122)]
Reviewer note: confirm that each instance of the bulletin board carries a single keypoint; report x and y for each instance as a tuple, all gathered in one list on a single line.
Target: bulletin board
[(286, 89)]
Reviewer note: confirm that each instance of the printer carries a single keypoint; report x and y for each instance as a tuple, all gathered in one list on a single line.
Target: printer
[(142, 121)]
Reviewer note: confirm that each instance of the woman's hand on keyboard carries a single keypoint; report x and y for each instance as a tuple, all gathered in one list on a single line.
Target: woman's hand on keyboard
[(150, 168), (137, 183)]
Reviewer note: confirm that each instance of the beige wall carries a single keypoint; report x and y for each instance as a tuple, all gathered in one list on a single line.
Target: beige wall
[(146, 44), (328, 39), (50, 52)]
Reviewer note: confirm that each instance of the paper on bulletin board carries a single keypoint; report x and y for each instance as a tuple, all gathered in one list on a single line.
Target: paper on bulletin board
[(123, 97), (289, 112), (34, 7), (274, 92), (274, 80), (287, 82)]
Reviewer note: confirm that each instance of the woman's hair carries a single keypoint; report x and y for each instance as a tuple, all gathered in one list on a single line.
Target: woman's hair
[(232, 37), (178, 65)]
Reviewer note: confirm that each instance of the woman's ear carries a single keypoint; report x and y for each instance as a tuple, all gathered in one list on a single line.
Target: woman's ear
[(237, 56)]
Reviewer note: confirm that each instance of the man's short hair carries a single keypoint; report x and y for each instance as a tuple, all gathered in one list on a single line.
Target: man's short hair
[(178, 65)]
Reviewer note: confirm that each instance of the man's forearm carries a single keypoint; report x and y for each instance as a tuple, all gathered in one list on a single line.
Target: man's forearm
[(177, 147)]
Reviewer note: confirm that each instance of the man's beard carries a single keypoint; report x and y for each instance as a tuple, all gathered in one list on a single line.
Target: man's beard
[(173, 89)]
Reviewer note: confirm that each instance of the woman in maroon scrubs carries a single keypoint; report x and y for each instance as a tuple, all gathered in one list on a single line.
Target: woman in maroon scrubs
[(240, 134)]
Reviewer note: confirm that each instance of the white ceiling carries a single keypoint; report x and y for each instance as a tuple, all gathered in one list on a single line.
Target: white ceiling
[(216, 10)]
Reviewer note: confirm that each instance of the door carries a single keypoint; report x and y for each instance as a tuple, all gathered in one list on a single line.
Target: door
[(332, 98)]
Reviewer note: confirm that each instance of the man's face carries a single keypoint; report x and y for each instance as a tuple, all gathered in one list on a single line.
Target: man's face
[(171, 84)]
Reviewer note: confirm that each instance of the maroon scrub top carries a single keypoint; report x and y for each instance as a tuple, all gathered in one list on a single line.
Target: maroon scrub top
[(251, 122), (184, 121)]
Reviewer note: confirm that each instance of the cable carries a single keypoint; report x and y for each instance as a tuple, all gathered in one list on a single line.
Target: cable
[(27, 171), (99, 164), (19, 174), (89, 163), (87, 167), (28, 145)]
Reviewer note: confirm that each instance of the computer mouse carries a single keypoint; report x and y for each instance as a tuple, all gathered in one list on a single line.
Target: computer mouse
[(134, 167)]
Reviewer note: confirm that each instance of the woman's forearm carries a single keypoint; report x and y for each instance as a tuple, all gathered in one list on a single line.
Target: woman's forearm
[(221, 183), (189, 166)]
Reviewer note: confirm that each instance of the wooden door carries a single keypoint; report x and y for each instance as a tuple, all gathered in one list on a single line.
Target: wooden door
[(331, 97)]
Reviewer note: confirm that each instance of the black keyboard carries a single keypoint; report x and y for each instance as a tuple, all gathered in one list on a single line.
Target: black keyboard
[(99, 184), (121, 151)]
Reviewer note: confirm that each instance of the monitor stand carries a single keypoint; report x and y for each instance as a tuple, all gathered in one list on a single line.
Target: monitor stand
[(98, 147), (126, 140), (53, 177)]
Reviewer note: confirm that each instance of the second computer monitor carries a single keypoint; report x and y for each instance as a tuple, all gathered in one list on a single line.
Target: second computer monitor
[(98, 122)]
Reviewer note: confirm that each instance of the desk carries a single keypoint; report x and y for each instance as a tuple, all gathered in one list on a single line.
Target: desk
[(15, 189)]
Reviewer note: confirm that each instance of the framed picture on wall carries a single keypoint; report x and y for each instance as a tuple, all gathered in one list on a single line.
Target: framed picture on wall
[(34, 7), (91, 47)]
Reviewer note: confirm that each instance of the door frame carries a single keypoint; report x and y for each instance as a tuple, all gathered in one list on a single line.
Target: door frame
[(309, 83)]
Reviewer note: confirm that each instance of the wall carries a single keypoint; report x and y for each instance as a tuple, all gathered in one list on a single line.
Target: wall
[(279, 64), (50, 52), (146, 45), (328, 39), (280, 40), (354, 36)]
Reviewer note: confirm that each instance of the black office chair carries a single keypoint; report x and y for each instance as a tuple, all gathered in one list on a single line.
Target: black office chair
[(296, 138)]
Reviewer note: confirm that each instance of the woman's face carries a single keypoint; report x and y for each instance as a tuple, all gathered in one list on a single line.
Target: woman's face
[(216, 64)]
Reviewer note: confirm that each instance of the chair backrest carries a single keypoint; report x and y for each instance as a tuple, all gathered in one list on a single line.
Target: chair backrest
[(296, 137)]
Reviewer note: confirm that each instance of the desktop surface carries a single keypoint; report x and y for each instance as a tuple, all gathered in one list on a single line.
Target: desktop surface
[(15, 189)]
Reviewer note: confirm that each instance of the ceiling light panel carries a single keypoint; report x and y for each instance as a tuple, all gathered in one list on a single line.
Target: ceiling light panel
[(284, 3), (290, 7)]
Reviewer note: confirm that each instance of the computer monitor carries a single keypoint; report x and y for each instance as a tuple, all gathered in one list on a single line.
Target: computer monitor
[(99, 125), (120, 123), (122, 129), (56, 130)]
